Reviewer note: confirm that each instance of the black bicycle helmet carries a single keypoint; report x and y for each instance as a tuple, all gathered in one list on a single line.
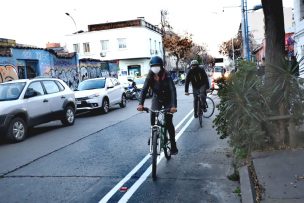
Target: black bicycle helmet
[(194, 63), (156, 60)]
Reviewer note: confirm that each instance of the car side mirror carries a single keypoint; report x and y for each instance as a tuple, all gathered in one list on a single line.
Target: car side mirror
[(30, 93)]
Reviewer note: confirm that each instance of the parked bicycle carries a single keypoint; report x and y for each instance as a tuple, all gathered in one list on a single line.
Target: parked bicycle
[(204, 109), (159, 139)]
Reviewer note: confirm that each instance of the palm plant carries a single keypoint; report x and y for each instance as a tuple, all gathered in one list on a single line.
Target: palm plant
[(251, 113)]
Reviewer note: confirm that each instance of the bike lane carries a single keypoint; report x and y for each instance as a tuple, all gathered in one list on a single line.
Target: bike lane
[(197, 174), (87, 170)]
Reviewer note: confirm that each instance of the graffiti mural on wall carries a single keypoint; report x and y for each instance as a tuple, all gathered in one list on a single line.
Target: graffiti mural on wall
[(93, 69), (91, 72), (68, 74), (8, 73)]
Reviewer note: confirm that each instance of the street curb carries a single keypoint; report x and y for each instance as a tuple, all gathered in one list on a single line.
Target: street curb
[(246, 188)]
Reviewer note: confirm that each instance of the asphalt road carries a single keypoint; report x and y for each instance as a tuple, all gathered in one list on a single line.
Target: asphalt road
[(104, 158)]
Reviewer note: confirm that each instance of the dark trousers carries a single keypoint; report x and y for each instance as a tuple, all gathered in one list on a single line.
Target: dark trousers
[(157, 105), (199, 91)]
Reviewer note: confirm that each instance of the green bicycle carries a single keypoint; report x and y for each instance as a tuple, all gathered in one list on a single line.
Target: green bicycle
[(159, 139)]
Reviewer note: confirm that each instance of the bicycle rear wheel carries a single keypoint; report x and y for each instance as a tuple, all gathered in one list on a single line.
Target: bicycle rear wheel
[(210, 106), (167, 146), (200, 112), (154, 154)]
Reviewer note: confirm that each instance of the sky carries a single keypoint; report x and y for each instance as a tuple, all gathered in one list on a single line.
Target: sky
[(37, 22)]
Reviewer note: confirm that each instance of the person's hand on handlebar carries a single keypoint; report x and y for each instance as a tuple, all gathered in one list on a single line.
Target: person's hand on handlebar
[(187, 93), (140, 107), (173, 110)]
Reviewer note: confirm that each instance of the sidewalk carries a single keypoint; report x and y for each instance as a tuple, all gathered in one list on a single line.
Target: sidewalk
[(281, 175)]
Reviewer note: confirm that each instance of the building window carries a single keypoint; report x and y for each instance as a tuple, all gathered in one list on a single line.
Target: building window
[(86, 47), (122, 43), (155, 48), (151, 50), (76, 48), (104, 45), (160, 48)]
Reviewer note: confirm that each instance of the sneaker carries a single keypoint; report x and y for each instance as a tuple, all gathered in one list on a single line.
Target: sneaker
[(174, 151), (195, 115)]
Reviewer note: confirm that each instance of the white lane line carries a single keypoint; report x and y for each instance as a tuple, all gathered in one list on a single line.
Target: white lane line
[(135, 169), (144, 176), (182, 121)]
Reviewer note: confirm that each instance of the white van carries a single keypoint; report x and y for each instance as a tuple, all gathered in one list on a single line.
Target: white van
[(218, 72)]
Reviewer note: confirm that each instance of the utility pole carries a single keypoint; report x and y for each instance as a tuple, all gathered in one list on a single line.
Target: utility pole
[(163, 14), (232, 44), (245, 32)]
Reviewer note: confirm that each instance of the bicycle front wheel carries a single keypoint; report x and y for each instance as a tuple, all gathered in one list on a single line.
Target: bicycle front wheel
[(154, 154), (167, 146), (210, 106)]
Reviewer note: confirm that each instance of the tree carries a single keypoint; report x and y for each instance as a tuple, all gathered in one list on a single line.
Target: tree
[(196, 52), (178, 46), (274, 58), (226, 47)]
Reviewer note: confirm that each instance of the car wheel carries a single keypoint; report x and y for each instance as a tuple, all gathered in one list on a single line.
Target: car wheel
[(123, 102), (105, 106), (17, 130), (69, 116)]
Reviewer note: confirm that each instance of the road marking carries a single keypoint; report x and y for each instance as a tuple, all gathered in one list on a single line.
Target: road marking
[(139, 165), (144, 176)]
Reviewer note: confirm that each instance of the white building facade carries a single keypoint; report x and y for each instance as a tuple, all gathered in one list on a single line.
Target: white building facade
[(299, 32), (130, 44)]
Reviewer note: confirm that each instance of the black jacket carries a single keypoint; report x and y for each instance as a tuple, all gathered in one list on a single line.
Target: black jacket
[(164, 89), (197, 77)]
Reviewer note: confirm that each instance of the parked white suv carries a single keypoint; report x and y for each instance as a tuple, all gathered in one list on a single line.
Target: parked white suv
[(100, 93), (30, 102)]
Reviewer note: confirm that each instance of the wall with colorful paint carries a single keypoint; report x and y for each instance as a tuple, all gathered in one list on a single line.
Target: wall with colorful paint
[(91, 68), (24, 62)]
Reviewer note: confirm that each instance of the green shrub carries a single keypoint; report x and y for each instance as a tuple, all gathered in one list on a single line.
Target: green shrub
[(246, 111)]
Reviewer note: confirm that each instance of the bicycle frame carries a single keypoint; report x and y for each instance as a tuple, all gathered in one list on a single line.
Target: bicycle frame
[(204, 108), (158, 139), (160, 127)]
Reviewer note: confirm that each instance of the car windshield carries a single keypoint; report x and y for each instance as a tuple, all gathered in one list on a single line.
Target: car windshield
[(139, 80), (11, 91), (91, 84), (217, 69)]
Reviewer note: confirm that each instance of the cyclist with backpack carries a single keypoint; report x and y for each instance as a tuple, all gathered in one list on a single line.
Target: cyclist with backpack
[(200, 83)]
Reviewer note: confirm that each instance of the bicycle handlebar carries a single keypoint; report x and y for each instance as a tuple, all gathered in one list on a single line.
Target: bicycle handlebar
[(146, 109)]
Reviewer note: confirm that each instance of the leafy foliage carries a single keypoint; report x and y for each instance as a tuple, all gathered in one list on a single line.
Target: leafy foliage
[(227, 49), (178, 46), (245, 112), (242, 109)]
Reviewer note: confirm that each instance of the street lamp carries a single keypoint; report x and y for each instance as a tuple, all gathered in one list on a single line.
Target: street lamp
[(73, 21), (245, 29)]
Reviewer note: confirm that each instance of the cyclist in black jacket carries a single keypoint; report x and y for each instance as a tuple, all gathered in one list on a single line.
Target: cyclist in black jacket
[(164, 95), (200, 83)]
